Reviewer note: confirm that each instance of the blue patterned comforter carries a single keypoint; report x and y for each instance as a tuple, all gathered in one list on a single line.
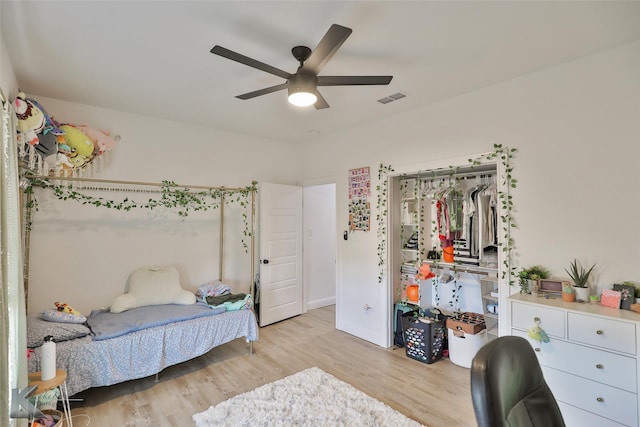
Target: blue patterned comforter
[(105, 325), (93, 363)]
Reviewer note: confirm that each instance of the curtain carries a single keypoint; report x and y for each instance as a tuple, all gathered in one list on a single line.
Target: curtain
[(13, 363)]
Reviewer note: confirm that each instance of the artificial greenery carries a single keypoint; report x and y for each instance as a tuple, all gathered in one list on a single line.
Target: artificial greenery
[(172, 196), (535, 272), (579, 274), (505, 156), (381, 217), (454, 303)]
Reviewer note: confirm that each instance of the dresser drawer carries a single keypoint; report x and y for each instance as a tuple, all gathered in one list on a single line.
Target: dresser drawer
[(524, 316), (597, 365), (576, 417), (606, 333), (608, 402)]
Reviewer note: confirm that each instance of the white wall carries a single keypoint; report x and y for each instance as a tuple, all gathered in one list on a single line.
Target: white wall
[(8, 81), (577, 129), (82, 255)]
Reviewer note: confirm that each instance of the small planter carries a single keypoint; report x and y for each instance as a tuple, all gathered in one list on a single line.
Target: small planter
[(568, 297), (534, 287), (581, 294)]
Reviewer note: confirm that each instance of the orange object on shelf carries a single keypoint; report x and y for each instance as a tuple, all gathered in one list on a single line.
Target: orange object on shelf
[(413, 293), (425, 272), (447, 254)]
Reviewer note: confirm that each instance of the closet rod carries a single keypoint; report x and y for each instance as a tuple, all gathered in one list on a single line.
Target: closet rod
[(467, 175), (141, 183), (487, 169)]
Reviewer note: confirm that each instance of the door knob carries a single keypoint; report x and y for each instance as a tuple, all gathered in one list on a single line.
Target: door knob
[(265, 261)]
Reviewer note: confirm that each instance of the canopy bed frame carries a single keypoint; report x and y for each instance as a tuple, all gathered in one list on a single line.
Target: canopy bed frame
[(92, 361)]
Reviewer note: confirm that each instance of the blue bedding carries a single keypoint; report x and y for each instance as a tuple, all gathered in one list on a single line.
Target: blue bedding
[(105, 325), (90, 363)]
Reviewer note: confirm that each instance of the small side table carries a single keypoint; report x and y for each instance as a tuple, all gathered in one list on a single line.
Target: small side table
[(60, 380)]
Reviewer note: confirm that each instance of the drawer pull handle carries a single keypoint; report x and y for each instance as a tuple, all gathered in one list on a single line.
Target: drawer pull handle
[(537, 349), (599, 332), (599, 366), (536, 319), (600, 399)]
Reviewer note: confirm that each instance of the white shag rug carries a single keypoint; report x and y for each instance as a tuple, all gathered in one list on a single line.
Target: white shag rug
[(309, 398)]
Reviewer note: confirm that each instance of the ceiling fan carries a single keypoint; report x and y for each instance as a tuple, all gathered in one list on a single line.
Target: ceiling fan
[(303, 84)]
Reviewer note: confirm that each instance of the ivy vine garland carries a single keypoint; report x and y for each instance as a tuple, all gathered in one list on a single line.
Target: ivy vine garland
[(381, 217), (171, 196), (505, 156)]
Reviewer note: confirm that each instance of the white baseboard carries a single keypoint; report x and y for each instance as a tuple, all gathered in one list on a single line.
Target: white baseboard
[(311, 305)]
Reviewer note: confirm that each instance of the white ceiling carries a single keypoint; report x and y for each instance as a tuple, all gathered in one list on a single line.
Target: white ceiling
[(152, 57)]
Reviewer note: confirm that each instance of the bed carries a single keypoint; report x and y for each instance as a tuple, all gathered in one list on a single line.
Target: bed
[(93, 361), (153, 325)]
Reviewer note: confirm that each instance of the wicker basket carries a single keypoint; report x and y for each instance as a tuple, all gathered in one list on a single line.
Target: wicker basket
[(57, 416)]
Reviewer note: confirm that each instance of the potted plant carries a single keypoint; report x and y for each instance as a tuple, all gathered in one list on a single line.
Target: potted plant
[(528, 278), (580, 277)]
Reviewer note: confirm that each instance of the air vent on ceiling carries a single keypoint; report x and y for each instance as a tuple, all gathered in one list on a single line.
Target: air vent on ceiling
[(392, 97)]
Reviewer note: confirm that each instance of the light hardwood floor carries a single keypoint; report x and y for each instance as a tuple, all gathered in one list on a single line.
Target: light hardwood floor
[(436, 395)]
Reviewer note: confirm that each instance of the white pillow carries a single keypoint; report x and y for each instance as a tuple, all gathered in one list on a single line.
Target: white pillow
[(152, 286)]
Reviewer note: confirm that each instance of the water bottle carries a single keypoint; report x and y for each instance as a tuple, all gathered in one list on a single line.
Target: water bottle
[(48, 360)]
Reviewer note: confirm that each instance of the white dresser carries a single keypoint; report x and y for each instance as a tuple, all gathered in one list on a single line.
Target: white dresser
[(591, 360)]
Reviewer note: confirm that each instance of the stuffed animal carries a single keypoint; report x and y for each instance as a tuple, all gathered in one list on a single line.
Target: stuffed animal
[(31, 119), (50, 124), (65, 308), (102, 140), (47, 144), (77, 140)]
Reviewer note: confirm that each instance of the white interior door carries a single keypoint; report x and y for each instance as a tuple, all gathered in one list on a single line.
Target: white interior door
[(280, 225)]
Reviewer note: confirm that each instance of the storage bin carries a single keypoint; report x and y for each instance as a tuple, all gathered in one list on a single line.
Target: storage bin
[(424, 338), (469, 323), (463, 347)]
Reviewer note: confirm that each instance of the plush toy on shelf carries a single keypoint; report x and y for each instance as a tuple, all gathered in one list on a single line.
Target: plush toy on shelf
[(78, 141), (102, 140), (31, 119)]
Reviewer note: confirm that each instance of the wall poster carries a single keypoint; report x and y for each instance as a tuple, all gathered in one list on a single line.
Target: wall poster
[(359, 193)]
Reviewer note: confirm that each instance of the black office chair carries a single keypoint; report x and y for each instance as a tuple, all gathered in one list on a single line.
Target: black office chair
[(508, 389)]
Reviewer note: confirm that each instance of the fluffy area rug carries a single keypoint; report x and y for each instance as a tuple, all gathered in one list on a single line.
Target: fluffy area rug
[(309, 398)]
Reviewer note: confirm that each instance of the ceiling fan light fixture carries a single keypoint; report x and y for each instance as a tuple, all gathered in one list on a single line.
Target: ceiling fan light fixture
[(302, 90), (302, 98)]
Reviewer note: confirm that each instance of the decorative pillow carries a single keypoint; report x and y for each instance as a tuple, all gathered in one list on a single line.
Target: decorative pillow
[(60, 316), (38, 328), (152, 286)]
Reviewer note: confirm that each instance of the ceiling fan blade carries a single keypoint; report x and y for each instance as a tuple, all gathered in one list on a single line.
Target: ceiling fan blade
[(234, 56), (330, 43), (353, 80), (264, 91), (320, 102)]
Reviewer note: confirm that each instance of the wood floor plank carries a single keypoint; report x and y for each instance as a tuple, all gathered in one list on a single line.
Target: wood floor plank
[(436, 395)]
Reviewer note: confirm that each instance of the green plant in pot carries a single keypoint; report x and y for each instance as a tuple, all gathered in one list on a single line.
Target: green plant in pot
[(528, 278), (580, 277)]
